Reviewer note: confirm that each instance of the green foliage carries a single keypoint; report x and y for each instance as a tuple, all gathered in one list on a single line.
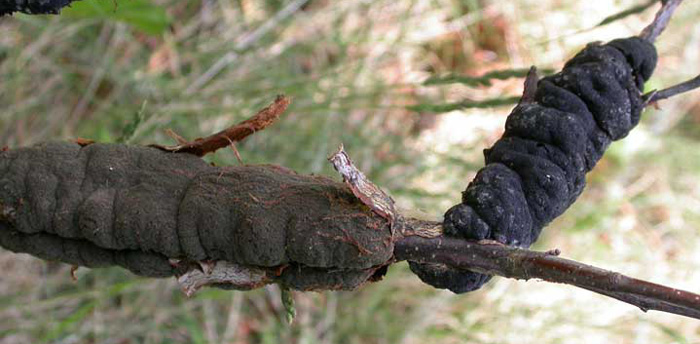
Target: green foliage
[(466, 104), (636, 9), (142, 15), (483, 80), (290, 310), (67, 325), (130, 128)]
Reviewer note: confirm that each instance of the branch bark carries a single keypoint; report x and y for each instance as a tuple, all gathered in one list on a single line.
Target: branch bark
[(674, 90), (513, 262), (663, 17)]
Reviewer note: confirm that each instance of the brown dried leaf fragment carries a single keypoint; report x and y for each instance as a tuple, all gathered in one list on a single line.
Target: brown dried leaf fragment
[(238, 132), (73, 270), (83, 142)]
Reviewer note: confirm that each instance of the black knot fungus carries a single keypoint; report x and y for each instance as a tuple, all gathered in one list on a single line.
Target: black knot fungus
[(33, 6), (537, 169), (143, 208)]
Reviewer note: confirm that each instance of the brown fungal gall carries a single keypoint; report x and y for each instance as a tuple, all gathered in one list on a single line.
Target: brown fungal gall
[(143, 208)]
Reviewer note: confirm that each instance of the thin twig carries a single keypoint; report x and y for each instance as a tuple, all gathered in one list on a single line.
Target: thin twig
[(529, 86), (236, 153), (663, 17), (245, 43), (238, 132), (175, 136), (650, 33), (669, 92), (524, 264)]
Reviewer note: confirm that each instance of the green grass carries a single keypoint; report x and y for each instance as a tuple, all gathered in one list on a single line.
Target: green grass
[(356, 72)]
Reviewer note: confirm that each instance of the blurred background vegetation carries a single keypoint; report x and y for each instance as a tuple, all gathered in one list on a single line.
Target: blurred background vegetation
[(126, 70)]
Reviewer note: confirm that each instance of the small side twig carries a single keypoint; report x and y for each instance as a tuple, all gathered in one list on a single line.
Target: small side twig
[(669, 92), (650, 33), (663, 17), (175, 136), (238, 132)]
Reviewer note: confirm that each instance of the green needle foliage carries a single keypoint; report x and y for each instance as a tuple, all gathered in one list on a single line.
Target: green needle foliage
[(636, 9), (483, 80), (130, 128), (466, 104)]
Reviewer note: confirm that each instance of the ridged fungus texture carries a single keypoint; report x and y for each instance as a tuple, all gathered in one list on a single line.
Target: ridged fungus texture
[(140, 208), (33, 6), (537, 169)]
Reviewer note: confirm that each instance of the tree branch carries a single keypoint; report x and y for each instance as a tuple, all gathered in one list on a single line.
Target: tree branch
[(512, 262), (650, 33), (417, 240), (674, 90)]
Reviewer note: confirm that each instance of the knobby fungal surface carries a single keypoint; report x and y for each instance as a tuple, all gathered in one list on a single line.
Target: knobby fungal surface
[(144, 209), (537, 169), (33, 6)]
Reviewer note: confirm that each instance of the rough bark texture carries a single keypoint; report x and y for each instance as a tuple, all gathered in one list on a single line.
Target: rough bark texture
[(538, 168), (513, 262), (140, 207)]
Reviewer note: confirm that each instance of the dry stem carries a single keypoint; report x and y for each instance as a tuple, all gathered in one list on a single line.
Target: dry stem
[(513, 262), (238, 132), (669, 92), (663, 17)]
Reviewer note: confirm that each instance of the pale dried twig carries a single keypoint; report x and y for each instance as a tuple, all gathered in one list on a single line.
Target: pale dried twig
[(366, 191)]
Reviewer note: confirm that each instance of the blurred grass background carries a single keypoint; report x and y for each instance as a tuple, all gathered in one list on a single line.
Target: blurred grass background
[(355, 70)]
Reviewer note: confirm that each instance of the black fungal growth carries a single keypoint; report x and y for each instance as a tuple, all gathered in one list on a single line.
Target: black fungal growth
[(148, 210), (537, 169), (140, 207), (33, 6)]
